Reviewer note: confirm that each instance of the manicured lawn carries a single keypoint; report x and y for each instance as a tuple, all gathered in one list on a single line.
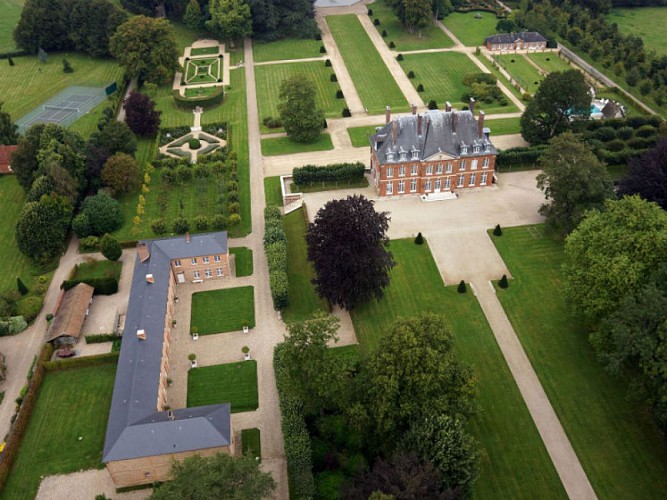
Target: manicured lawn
[(442, 75), (201, 91), (28, 83), (429, 38), (373, 81), (521, 70), (504, 126), (549, 61), (51, 443), (252, 443), (513, 458), (359, 135), (286, 146), (282, 50), (13, 262), (269, 78), (469, 30), (645, 22), (87, 124), (622, 452), (496, 72), (204, 51), (11, 12), (98, 269), (234, 383), (220, 311), (303, 298), (243, 261), (316, 187), (272, 191)]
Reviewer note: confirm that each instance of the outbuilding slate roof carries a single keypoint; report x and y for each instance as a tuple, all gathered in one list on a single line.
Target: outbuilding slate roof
[(526, 36), (68, 321), (5, 156), (438, 136), (135, 427)]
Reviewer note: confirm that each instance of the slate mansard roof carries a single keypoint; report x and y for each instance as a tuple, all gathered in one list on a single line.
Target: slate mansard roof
[(444, 132), (135, 427), (526, 36)]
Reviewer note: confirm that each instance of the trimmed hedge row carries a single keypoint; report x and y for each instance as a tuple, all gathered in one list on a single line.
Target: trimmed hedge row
[(101, 338), (68, 364), (337, 172), (103, 286), (192, 102), (295, 435), (275, 246), (15, 53), (522, 156)]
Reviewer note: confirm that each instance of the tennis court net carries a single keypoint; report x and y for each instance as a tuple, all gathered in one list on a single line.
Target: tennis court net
[(60, 108)]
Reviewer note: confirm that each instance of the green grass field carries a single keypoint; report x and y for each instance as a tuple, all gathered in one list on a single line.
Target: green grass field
[(283, 50), (549, 61), (11, 12), (285, 146), (252, 443), (317, 187), (373, 81), (272, 191), (269, 78), (87, 124), (521, 70), (501, 78), (28, 84), (204, 51), (234, 383), (513, 458), (442, 76), (622, 452), (504, 126), (429, 38), (51, 442), (98, 269), (303, 298), (220, 311), (359, 135), (12, 198), (645, 22), (243, 261), (469, 30)]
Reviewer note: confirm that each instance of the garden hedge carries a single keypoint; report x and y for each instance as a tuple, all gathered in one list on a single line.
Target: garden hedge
[(103, 286), (67, 364), (522, 156), (275, 246), (337, 172), (101, 338), (205, 101), (295, 434)]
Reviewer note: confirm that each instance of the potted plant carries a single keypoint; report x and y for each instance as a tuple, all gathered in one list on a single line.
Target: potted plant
[(246, 327), (246, 353), (193, 360), (194, 331)]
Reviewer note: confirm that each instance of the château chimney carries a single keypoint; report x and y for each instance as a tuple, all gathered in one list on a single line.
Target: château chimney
[(448, 106), (142, 250), (414, 109), (472, 106), (387, 115), (480, 125), (187, 236)]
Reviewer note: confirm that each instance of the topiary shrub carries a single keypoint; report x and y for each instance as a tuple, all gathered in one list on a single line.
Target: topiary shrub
[(399, 57), (420, 88), (159, 226), (346, 113), (462, 287), (333, 77), (233, 220), (411, 74), (503, 282), (110, 247), (370, 12), (376, 22), (318, 37), (181, 225), (419, 240), (392, 45), (23, 290), (339, 94), (194, 144), (384, 33), (497, 231), (322, 49), (327, 63), (432, 104)]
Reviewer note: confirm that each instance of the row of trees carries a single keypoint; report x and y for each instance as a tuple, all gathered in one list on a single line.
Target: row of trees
[(405, 403), (419, 14), (82, 25)]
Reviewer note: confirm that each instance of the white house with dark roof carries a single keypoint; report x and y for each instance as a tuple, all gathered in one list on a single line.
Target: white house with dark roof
[(526, 40)]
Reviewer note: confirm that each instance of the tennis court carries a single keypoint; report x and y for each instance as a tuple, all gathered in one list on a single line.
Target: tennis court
[(64, 108)]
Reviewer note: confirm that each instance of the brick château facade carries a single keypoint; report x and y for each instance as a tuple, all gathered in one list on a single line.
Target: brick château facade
[(431, 153)]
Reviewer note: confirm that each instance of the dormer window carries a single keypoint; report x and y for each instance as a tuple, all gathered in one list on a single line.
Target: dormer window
[(402, 156), (464, 149), (390, 156), (487, 146), (415, 154), (475, 148)]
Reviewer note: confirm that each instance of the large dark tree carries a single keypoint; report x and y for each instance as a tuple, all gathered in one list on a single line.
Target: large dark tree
[(647, 175), (404, 476), (230, 19), (347, 244), (140, 114), (115, 137), (24, 159), (8, 128), (92, 23), (146, 48), (42, 226), (573, 181), (273, 19), (121, 173), (218, 477), (298, 110), (100, 214), (560, 96)]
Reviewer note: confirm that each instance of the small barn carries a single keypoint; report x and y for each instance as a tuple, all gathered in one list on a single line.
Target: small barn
[(69, 316)]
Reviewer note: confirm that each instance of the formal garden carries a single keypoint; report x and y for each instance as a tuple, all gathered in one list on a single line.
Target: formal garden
[(521, 71), (243, 261), (286, 49), (225, 310), (234, 383)]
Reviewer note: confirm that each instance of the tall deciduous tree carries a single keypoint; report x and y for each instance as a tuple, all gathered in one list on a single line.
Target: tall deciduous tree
[(24, 158), (42, 226), (193, 17), (216, 477), (140, 114), (121, 173), (417, 14), (612, 253), (298, 110), (647, 175), (146, 48), (274, 19), (8, 129), (110, 247), (347, 244), (230, 19), (415, 371), (560, 96), (92, 23), (45, 24), (573, 181), (101, 213)]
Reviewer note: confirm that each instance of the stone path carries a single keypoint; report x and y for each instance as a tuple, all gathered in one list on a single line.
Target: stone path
[(289, 61)]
